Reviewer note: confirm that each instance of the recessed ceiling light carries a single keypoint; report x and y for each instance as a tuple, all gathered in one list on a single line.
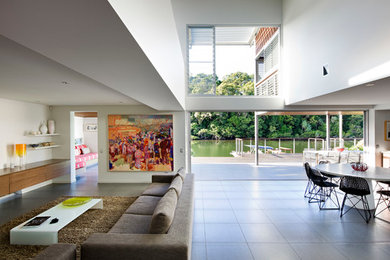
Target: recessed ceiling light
[(64, 83), (370, 84)]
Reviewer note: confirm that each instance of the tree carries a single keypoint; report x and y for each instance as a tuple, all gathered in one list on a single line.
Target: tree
[(230, 125), (202, 83), (236, 84)]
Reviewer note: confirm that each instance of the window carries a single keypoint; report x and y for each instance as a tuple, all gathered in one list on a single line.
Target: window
[(220, 60), (201, 61)]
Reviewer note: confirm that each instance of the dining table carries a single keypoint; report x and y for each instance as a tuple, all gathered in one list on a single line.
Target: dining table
[(372, 175)]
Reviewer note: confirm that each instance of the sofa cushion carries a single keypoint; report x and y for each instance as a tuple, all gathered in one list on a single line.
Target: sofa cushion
[(132, 224), (144, 205), (163, 214), (156, 189), (177, 185), (86, 150), (60, 251), (181, 172)]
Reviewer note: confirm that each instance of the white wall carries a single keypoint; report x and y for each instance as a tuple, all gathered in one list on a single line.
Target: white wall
[(91, 137), (352, 36), (64, 125), (17, 120), (380, 144), (78, 127)]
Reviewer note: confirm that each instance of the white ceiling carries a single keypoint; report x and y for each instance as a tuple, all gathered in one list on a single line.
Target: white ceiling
[(377, 94), (240, 35), (152, 24), (89, 38), (28, 76)]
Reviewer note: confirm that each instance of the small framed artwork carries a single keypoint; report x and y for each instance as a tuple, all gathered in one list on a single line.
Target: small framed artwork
[(387, 130), (90, 127)]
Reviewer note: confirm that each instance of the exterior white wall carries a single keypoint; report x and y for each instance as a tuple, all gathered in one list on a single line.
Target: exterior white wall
[(234, 103), (351, 36), (62, 115), (17, 120)]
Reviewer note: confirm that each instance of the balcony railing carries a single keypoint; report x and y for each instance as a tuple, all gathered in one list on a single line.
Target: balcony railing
[(269, 86)]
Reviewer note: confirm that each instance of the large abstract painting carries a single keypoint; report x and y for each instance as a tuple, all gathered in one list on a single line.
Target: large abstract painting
[(140, 142)]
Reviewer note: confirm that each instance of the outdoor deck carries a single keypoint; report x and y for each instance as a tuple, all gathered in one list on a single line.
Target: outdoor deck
[(250, 158)]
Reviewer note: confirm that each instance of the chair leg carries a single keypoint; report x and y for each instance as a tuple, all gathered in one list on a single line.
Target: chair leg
[(307, 190), (342, 205), (327, 195), (367, 212), (381, 200)]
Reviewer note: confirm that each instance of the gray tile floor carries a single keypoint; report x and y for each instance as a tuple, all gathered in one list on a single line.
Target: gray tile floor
[(272, 220), (245, 219), (266, 171)]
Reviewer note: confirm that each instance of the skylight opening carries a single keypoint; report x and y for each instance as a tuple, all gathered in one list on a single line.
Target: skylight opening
[(224, 61)]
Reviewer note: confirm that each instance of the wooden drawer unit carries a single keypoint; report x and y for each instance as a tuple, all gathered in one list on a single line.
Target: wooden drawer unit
[(4, 185), (32, 174)]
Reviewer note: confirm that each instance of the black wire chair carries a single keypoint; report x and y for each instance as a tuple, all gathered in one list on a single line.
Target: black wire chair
[(332, 178), (381, 185), (310, 185), (384, 198), (357, 188), (322, 190)]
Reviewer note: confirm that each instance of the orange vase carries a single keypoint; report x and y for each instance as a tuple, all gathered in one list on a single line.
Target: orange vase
[(20, 151)]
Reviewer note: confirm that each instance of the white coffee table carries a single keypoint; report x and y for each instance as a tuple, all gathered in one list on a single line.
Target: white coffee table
[(46, 233)]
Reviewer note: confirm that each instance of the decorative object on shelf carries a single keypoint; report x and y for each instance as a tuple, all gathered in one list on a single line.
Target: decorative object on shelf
[(361, 167), (43, 128), (52, 127), (34, 145), (20, 150), (340, 149), (76, 201)]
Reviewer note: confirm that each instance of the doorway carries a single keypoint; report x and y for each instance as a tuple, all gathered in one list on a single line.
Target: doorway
[(85, 145)]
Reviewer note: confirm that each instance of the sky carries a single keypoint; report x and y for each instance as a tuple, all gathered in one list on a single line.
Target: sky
[(229, 59)]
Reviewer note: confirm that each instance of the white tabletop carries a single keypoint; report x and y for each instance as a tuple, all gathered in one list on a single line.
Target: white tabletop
[(46, 233), (344, 169)]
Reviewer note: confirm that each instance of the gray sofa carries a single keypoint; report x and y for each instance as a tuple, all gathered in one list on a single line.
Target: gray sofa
[(158, 225)]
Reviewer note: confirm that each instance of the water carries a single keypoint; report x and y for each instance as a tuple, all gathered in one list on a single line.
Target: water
[(223, 148)]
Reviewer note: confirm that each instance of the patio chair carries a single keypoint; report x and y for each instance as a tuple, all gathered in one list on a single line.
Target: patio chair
[(353, 157), (355, 187)]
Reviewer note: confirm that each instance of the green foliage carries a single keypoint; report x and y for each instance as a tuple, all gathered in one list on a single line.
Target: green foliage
[(230, 125), (236, 84), (202, 84)]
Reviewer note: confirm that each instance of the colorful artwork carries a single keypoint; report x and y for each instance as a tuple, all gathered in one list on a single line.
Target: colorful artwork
[(140, 142)]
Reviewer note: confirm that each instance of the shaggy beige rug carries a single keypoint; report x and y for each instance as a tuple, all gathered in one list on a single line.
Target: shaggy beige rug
[(92, 221)]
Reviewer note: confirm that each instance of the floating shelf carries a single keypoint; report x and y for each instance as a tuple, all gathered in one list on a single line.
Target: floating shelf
[(44, 147), (44, 135)]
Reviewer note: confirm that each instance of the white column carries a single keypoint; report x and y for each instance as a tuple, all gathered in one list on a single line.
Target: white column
[(341, 143), (327, 131), (187, 120), (256, 139)]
